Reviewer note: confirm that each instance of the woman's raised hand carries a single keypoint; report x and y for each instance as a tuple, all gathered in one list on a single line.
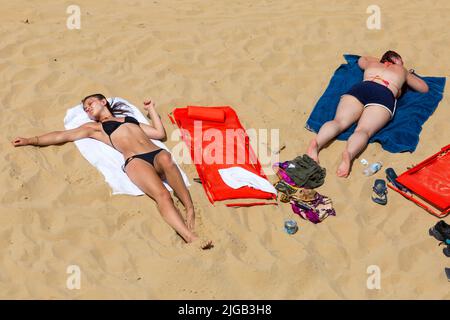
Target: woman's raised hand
[(149, 104), (17, 142)]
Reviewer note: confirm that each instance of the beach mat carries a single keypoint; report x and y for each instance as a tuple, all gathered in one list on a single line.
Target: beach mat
[(399, 135), (429, 183), (194, 122)]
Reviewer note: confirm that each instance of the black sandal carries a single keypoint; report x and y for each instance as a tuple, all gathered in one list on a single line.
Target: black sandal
[(391, 176), (379, 194)]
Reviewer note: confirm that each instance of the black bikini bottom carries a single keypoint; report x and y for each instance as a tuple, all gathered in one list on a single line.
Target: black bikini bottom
[(149, 157)]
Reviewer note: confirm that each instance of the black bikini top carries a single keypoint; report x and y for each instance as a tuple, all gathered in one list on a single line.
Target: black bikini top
[(111, 126)]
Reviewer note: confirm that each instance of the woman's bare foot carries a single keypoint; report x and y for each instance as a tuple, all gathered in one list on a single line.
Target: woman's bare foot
[(202, 244), (190, 218), (344, 168), (313, 150)]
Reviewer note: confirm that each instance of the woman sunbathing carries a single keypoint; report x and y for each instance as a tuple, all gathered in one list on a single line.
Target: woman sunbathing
[(146, 164), (371, 103)]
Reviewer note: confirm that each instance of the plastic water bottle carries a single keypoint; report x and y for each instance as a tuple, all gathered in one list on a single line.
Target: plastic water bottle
[(373, 168)]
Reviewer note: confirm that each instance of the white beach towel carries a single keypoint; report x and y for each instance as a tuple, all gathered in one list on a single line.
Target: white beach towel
[(106, 159), (237, 177)]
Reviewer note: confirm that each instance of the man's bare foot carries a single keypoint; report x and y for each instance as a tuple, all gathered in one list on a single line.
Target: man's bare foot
[(202, 243), (344, 168), (190, 219), (313, 150)]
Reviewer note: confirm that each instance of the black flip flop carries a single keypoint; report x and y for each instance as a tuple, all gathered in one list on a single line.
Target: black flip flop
[(379, 194), (447, 251), (391, 176)]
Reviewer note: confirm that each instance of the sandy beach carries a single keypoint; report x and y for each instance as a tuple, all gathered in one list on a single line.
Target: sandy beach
[(270, 61)]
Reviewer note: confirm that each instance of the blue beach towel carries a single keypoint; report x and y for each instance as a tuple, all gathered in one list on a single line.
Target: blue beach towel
[(399, 135)]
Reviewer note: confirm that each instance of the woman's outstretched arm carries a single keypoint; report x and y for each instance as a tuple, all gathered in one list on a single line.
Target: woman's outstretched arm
[(156, 130), (87, 130)]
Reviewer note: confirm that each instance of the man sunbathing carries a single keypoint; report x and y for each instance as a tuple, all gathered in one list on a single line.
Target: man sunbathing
[(371, 103), (146, 164)]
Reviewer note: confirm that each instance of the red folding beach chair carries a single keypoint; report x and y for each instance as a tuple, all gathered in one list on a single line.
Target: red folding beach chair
[(220, 119), (429, 183)]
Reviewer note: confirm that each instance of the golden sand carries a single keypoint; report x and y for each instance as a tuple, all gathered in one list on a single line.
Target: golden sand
[(271, 61)]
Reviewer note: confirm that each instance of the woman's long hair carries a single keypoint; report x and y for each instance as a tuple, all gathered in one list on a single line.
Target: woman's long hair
[(115, 108)]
